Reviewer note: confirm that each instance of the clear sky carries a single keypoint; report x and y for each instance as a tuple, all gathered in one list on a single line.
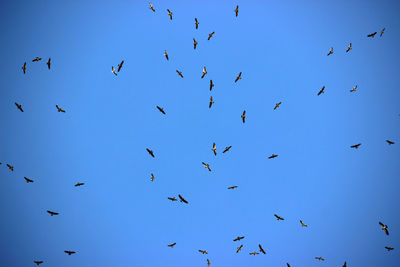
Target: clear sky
[(119, 217)]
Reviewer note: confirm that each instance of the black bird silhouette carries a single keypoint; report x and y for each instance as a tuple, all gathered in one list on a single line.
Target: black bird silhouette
[(272, 156), (355, 146), (288, 265), (382, 31), (207, 166), (160, 109), (24, 68), (114, 71), (349, 48), (28, 180), (194, 43), (203, 251), (211, 102), (371, 35), (238, 238), (150, 152), (279, 218), (19, 106), (210, 35), (345, 264), (152, 7), (52, 213), (389, 248), (37, 59), (10, 167), (330, 51), (319, 258), (214, 149), (277, 105), (233, 187), (237, 11), (69, 252), (196, 22), (353, 89), (181, 199), (120, 65), (208, 262), (211, 85), (261, 249), (239, 248), (60, 109), (243, 116), (303, 224), (204, 72), (239, 77), (49, 63), (166, 54), (322, 90), (79, 184), (384, 228), (172, 198), (38, 262), (152, 177), (179, 73), (169, 14), (172, 245), (390, 142), (227, 149)]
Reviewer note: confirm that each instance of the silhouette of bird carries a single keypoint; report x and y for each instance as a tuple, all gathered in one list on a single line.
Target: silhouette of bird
[(207, 166), (194, 43), (52, 213), (278, 217), (69, 252), (152, 177), (233, 187), (196, 22), (237, 11), (254, 253), (382, 31), (211, 85), (239, 248), (322, 90), (210, 35), (179, 73), (160, 109), (166, 54), (38, 262), (24, 68), (37, 59), (214, 149), (243, 116), (345, 264), (28, 180), (113, 71), (169, 14), (355, 146), (172, 245), (204, 72), (10, 167), (211, 102), (181, 199), (203, 251), (303, 224), (319, 258), (208, 262), (238, 238), (150, 152), (272, 156), (19, 106), (330, 51), (277, 105), (349, 48), (389, 248), (354, 88), (60, 109), (371, 35), (390, 142), (79, 184), (49, 63), (384, 228), (261, 249), (172, 198), (239, 77), (288, 265), (152, 7), (120, 65), (227, 149)]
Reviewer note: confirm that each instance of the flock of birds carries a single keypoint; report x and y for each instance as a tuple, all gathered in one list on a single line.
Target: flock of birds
[(214, 149)]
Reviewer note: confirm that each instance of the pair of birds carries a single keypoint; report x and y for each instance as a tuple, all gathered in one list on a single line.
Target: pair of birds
[(119, 68), (385, 229), (214, 149), (181, 199), (356, 146), (19, 106), (347, 50), (36, 60), (372, 35)]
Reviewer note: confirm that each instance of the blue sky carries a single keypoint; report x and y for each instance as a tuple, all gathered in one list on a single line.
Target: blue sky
[(121, 218)]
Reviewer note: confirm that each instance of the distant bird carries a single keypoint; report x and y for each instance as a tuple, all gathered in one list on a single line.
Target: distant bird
[(160, 109), (152, 7), (227, 149), (37, 59), (194, 43), (79, 184), (261, 249), (272, 156), (233, 187), (52, 213), (169, 14), (166, 54), (150, 152), (239, 248), (152, 177), (203, 251), (181, 199), (207, 166), (371, 35), (38, 262), (69, 252), (239, 77), (179, 73), (322, 90), (238, 238), (24, 68), (254, 253), (389, 248), (210, 35), (237, 11), (28, 180), (348, 48), (277, 105), (382, 31), (10, 167), (120, 65), (355, 146), (49, 63), (211, 102), (288, 265), (384, 228), (113, 71), (172, 245), (211, 85), (390, 142), (345, 264), (303, 224), (19, 106), (60, 109), (278, 217), (330, 51), (208, 262), (204, 72), (243, 116), (172, 198), (196, 22), (319, 258), (214, 149), (354, 88)]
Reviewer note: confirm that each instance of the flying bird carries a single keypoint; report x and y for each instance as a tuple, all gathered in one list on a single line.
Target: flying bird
[(384, 228), (10, 167), (238, 238), (49, 63), (303, 224), (382, 31), (371, 35), (272, 156), (254, 253), (172, 245), (204, 72), (239, 248), (113, 70), (211, 85), (330, 51), (354, 88), (38, 262), (237, 11), (348, 48), (319, 258), (227, 149), (211, 102), (19, 106), (345, 264), (203, 251), (166, 54), (208, 262), (261, 249), (239, 77), (150, 152), (210, 35), (194, 43), (233, 187), (214, 149), (160, 109), (355, 146), (390, 142), (24, 68), (288, 265), (152, 7), (181, 199), (389, 248), (278, 217), (207, 166), (169, 14), (52, 213), (152, 177), (277, 105), (179, 73), (37, 59), (79, 184), (196, 22), (59, 109), (322, 90), (69, 252), (28, 180), (120, 65), (243, 116), (172, 198)]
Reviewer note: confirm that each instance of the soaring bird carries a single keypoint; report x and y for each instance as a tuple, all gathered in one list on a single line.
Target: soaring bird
[(355, 146), (166, 54), (348, 48), (10, 167), (28, 180), (210, 35), (278, 217), (303, 224), (208, 262), (354, 89), (371, 35), (233, 187), (272, 156), (172, 245), (152, 177), (160, 109), (322, 90), (69, 252), (239, 77), (214, 149), (38, 262), (237, 11), (179, 73), (254, 253), (227, 149), (277, 105), (238, 238), (19, 106), (261, 249), (172, 198), (319, 258), (52, 213), (211, 85), (211, 102), (49, 63), (243, 116), (194, 43), (120, 65), (60, 109), (181, 199), (389, 248), (37, 59), (150, 152), (390, 142), (204, 72), (196, 22), (152, 7), (288, 265), (382, 31), (330, 51), (113, 70), (239, 248), (169, 14), (79, 184), (207, 166), (384, 228), (203, 251), (24, 68), (345, 264)]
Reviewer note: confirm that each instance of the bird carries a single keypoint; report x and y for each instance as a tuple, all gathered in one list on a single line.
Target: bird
[(152, 177), (172, 198), (277, 105), (211, 102), (319, 258), (69, 252), (52, 213), (303, 224), (345, 264), (330, 51), (254, 253), (233, 187), (389, 248), (79, 184), (272, 156), (207, 166), (214, 149), (227, 149), (390, 142), (150, 152), (166, 54), (59, 109), (28, 180), (243, 116), (172, 245), (239, 77), (261, 249), (237, 10), (37, 59), (19, 106), (238, 238), (210, 35), (211, 85), (182, 199), (382, 31), (288, 265), (152, 7), (204, 72), (354, 88), (179, 73), (196, 22), (203, 251), (371, 35), (208, 262), (10, 167), (355, 146), (348, 48), (194, 43), (384, 228), (322, 90), (49, 63), (38, 262), (113, 71), (160, 109), (239, 248), (24, 68), (120, 65), (169, 14), (278, 217)]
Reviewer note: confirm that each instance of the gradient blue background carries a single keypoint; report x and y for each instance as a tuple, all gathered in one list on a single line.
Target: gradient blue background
[(120, 218)]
